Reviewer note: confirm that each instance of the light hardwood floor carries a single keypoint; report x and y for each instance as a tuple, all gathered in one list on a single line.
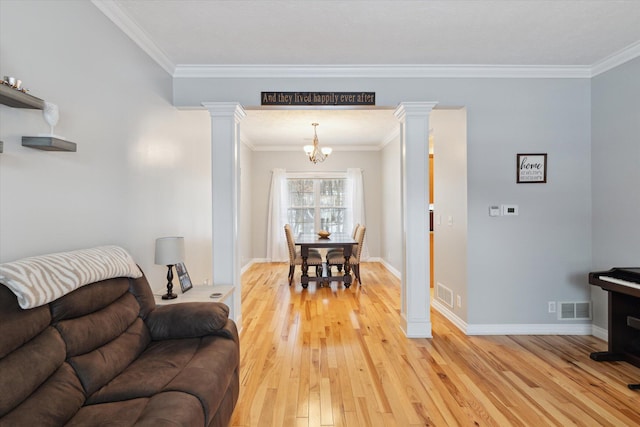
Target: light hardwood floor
[(332, 356)]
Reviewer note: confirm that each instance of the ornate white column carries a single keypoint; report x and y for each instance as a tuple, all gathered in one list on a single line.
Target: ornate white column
[(414, 143), (225, 189)]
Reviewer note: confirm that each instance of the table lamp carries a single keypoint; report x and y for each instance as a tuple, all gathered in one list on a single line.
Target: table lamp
[(169, 252)]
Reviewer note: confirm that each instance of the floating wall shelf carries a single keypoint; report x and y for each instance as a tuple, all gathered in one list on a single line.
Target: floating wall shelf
[(48, 143), (18, 99)]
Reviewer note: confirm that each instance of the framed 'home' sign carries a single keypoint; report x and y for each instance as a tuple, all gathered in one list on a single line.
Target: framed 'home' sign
[(532, 168)]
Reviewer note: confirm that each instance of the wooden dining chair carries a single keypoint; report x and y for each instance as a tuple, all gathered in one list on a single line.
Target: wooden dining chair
[(337, 259), (336, 251), (313, 260)]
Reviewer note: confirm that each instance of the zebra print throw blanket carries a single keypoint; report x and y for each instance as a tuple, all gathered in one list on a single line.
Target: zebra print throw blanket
[(41, 279)]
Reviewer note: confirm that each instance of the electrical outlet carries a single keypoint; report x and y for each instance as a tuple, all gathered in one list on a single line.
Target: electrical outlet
[(459, 300), (552, 306)]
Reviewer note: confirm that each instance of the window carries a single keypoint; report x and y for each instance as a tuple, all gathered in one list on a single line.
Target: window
[(316, 204)]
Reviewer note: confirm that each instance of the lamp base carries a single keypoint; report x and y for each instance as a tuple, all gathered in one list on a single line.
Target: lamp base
[(169, 294)]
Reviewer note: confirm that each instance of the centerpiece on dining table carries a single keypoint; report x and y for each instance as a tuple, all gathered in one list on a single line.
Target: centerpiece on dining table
[(324, 234)]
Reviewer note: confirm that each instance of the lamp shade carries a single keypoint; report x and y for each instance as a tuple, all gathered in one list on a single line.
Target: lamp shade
[(169, 250)]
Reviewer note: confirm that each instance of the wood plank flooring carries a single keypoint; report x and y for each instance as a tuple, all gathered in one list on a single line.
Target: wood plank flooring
[(330, 356)]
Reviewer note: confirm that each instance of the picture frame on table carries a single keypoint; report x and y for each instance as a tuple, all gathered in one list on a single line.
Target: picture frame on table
[(183, 277), (531, 168)]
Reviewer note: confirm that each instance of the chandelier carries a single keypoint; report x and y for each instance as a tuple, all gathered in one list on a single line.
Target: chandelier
[(315, 153)]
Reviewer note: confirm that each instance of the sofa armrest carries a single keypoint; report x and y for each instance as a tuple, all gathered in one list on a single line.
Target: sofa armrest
[(188, 320)]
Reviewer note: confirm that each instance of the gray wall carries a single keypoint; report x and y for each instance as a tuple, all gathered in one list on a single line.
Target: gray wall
[(615, 169), (142, 169), (517, 265)]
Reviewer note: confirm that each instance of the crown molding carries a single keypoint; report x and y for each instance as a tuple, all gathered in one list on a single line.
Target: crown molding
[(627, 54), (379, 71), (128, 26)]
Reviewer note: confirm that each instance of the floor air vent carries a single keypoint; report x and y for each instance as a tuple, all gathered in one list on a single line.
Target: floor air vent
[(575, 311), (444, 294)]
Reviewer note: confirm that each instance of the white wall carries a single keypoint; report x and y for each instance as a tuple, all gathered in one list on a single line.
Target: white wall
[(115, 103), (450, 201), (142, 169), (391, 233), (263, 162), (616, 174), (246, 206)]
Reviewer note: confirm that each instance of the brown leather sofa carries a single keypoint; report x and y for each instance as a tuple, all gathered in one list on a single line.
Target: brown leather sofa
[(104, 354)]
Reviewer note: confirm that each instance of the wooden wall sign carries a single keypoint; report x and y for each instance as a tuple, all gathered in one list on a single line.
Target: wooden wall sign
[(318, 98), (532, 168)]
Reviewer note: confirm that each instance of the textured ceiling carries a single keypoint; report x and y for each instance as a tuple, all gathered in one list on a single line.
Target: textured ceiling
[(507, 32), (359, 32)]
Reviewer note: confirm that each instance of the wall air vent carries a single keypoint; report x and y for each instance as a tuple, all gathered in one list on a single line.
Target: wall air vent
[(579, 310), (444, 294)]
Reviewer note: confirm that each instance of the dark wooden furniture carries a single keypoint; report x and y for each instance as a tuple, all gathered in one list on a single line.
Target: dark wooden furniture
[(623, 286), (308, 241)]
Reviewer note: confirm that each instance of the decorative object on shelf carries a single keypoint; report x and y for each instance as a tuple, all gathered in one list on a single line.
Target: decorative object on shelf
[(48, 143), (531, 168), (13, 82), (169, 252), (315, 153), (183, 277), (50, 114)]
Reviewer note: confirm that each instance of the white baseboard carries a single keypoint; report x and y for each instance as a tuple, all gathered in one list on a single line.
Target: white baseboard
[(388, 266), (251, 262), (513, 329), (530, 329), (450, 315), (599, 332), (413, 329)]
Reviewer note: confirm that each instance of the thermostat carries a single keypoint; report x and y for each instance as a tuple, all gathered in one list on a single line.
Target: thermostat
[(509, 210)]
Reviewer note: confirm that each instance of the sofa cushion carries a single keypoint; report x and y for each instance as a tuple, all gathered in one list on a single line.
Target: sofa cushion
[(89, 299), (51, 404), (202, 367), (150, 372), (86, 333), (209, 373), (98, 367), (19, 326), (41, 279), (25, 369), (163, 409), (187, 320)]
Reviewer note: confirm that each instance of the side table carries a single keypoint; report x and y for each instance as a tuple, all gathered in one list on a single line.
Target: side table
[(199, 293)]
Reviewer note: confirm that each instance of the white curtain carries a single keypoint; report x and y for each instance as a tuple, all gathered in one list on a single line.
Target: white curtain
[(277, 250), (355, 195)]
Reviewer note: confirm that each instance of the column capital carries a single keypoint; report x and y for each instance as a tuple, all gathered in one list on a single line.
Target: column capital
[(413, 108), (220, 109)]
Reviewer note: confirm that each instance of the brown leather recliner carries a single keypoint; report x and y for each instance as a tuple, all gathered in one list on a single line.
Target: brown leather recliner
[(105, 354)]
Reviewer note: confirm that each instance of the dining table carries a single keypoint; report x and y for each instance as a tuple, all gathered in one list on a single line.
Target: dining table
[(336, 240)]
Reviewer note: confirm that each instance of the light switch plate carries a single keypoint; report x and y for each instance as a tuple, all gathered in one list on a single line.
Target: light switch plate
[(494, 210)]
